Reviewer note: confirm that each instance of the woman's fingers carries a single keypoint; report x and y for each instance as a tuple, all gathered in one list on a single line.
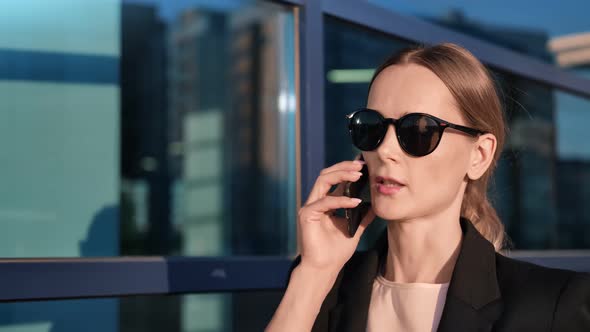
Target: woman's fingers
[(326, 180), (338, 191), (367, 220), (347, 165), (314, 211)]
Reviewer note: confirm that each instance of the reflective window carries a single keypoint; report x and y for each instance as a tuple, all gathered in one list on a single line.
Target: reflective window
[(572, 115), (147, 127), (208, 128), (244, 311), (539, 186), (59, 128), (539, 192)]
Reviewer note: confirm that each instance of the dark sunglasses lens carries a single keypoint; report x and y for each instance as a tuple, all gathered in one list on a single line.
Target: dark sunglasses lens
[(367, 130), (419, 135)]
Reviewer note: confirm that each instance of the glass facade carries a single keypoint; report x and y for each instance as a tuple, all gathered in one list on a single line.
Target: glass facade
[(171, 128), (147, 128), (184, 313), (207, 128), (59, 97)]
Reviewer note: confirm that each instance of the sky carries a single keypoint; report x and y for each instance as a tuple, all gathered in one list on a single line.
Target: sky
[(556, 17)]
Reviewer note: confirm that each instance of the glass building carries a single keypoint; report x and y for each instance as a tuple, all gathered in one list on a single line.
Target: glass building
[(155, 152)]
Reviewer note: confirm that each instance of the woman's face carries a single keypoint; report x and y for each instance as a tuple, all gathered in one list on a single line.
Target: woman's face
[(435, 182)]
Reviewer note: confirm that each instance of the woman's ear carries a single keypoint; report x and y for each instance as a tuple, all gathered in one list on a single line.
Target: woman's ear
[(481, 155)]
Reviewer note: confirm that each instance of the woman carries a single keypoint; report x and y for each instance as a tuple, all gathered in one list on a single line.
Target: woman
[(438, 266)]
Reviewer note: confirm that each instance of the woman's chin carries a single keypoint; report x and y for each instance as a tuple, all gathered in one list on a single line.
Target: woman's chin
[(388, 212)]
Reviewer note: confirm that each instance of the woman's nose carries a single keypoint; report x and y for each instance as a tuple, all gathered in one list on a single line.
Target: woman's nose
[(389, 147)]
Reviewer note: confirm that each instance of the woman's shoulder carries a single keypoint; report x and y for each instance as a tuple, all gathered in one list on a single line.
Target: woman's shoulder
[(516, 276), (560, 296), (515, 272)]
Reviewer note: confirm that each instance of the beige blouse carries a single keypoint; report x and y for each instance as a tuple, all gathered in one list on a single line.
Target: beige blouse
[(415, 307)]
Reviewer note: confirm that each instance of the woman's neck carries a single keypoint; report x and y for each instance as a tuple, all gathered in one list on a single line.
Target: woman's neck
[(423, 250)]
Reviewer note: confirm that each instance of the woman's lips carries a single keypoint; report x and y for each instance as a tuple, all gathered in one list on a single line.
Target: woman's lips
[(387, 185), (388, 189), (385, 179)]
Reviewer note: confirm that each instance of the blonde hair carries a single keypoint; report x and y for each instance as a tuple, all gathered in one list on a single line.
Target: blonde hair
[(475, 94)]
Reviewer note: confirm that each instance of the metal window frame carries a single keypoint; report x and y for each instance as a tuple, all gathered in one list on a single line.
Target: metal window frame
[(65, 278), (76, 278), (71, 278)]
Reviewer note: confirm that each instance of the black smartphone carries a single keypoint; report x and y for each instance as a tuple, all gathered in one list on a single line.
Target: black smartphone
[(358, 189)]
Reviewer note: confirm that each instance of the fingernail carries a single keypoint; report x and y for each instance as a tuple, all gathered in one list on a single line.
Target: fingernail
[(356, 200), (361, 162), (356, 173)]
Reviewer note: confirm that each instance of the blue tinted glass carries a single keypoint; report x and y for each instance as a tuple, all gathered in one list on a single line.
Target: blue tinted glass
[(244, 311), (147, 127), (59, 128), (208, 128)]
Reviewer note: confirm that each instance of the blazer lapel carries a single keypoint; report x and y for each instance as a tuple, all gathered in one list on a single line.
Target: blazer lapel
[(350, 314), (473, 300)]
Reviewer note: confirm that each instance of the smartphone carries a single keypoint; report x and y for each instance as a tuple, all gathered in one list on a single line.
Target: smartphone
[(358, 189)]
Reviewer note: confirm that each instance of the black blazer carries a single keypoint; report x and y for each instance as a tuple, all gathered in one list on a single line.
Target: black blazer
[(487, 292)]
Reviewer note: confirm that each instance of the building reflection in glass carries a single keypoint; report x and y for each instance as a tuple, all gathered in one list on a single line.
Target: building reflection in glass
[(208, 147)]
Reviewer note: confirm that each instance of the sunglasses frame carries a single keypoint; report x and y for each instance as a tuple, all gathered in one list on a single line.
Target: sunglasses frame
[(442, 125)]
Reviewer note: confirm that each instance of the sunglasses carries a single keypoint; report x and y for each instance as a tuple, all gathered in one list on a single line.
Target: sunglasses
[(417, 133)]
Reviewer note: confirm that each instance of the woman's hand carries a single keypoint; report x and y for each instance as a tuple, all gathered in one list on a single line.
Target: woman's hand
[(325, 248), (325, 245)]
